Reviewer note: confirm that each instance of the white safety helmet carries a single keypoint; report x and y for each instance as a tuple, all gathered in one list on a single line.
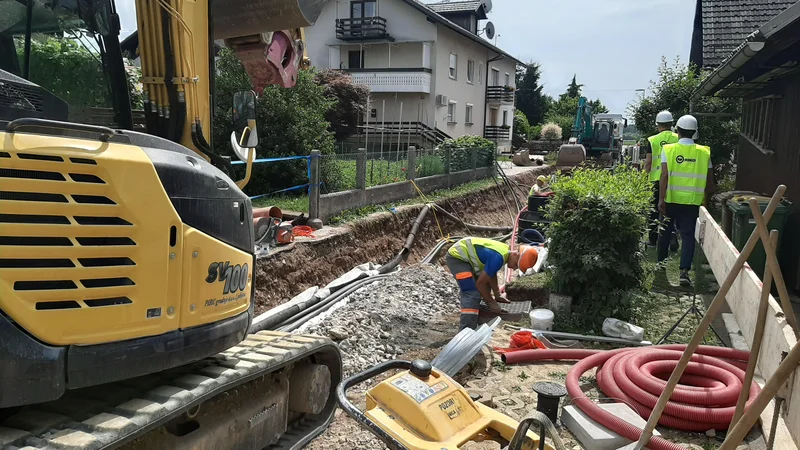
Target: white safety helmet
[(664, 117), (689, 123)]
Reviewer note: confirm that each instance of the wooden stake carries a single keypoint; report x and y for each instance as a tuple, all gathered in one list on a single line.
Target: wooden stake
[(711, 313), (774, 384), (755, 346), (772, 258)]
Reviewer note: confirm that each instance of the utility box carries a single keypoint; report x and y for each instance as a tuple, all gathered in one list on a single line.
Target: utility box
[(743, 225)]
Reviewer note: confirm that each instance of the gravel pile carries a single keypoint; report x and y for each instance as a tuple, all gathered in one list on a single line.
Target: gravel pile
[(387, 318)]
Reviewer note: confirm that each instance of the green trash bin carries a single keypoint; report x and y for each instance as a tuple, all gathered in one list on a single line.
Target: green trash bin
[(744, 224)]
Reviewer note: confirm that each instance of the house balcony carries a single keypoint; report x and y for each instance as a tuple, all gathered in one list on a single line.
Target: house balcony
[(362, 29), (500, 94), (497, 132), (416, 81)]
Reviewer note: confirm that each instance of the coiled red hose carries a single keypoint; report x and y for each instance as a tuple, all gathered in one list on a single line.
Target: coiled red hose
[(704, 399)]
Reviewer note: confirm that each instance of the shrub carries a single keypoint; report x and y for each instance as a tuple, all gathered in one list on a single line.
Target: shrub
[(536, 133), (460, 155), (598, 218), (551, 132), (429, 165), (521, 125)]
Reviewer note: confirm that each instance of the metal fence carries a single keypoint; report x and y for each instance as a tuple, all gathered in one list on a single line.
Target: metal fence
[(343, 172)]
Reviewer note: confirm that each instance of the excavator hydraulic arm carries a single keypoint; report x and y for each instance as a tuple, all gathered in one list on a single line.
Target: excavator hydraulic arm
[(175, 45)]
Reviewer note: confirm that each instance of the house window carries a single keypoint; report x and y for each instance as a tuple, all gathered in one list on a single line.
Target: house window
[(453, 66), (495, 81), (470, 71), (756, 124), (451, 112), (508, 80), (468, 114), (362, 9), (480, 73), (505, 118), (355, 59)]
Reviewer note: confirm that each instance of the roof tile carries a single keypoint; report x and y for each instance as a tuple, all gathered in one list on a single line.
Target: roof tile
[(726, 23)]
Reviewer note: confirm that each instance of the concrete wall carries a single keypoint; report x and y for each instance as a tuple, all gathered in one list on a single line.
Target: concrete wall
[(416, 108), (332, 204), (743, 300), (459, 90)]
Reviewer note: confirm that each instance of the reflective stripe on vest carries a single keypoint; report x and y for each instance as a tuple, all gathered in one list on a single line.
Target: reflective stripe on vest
[(464, 250), (657, 143), (687, 167)]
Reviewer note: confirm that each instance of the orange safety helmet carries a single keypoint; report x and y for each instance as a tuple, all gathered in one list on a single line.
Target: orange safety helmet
[(528, 255)]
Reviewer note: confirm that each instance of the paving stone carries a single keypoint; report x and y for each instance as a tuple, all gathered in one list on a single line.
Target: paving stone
[(595, 436)]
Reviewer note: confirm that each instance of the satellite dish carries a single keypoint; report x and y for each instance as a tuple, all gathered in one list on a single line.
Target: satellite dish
[(488, 5), (489, 30)]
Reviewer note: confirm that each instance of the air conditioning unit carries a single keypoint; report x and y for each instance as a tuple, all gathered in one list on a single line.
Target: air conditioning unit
[(442, 100)]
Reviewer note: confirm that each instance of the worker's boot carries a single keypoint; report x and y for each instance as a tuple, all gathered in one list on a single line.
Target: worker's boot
[(673, 243), (684, 279)]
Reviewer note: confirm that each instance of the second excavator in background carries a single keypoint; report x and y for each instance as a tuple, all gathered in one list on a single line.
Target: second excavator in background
[(594, 137)]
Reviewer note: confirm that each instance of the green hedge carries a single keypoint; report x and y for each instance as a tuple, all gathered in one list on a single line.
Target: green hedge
[(598, 220)]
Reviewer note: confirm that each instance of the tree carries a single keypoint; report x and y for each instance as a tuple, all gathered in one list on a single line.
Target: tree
[(74, 73), (350, 98), (521, 125), (290, 122), (530, 99), (671, 91), (574, 89), (563, 111)]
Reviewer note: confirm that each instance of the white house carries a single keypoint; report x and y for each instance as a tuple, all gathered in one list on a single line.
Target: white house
[(430, 69)]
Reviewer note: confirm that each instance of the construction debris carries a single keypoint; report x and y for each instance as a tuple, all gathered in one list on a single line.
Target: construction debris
[(384, 319)]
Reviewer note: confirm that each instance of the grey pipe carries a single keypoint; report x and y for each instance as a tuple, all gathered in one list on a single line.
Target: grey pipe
[(473, 227)]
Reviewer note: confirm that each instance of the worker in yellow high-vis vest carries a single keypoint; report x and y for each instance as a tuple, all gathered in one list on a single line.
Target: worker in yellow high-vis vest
[(686, 177), (474, 262), (652, 165)]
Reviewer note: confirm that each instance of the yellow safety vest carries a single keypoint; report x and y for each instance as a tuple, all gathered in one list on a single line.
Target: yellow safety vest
[(687, 167), (657, 143), (464, 250)]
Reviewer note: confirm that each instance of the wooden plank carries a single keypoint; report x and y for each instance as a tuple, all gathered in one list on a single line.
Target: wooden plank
[(743, 299)]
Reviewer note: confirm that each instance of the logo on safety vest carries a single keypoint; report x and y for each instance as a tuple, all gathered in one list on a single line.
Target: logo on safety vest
[(680, 159)]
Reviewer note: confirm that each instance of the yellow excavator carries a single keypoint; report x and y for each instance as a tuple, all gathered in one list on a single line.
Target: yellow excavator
[(127, 257)]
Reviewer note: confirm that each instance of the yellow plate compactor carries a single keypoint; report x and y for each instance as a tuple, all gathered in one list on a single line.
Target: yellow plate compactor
[(421, 408)]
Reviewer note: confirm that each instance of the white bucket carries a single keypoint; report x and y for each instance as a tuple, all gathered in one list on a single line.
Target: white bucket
[(542, 319)]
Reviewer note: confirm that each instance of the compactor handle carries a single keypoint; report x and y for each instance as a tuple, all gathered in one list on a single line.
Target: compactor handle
[(355, 413), (30, 122)]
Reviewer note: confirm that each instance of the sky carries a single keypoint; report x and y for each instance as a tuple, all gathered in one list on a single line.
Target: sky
[(613, 46)]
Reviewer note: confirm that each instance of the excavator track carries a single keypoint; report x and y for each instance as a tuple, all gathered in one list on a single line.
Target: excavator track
[(273, 390)]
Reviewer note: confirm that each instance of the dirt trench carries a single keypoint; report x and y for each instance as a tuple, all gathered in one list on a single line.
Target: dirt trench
[(378, 238)]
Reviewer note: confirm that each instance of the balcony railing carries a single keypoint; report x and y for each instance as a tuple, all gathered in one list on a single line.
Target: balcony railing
[(504, 94), (362, 29), (386, 80), (497, 132)]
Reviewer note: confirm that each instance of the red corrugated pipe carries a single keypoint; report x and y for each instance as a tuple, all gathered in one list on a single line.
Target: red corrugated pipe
[(705, 398)]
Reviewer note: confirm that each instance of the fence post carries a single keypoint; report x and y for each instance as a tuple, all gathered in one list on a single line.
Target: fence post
[(411, 170), (448, 157), (313, 188), (361, 169), (473, 155)]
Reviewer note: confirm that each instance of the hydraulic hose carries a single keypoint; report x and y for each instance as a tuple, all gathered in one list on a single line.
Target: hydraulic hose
[(704, 400)]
